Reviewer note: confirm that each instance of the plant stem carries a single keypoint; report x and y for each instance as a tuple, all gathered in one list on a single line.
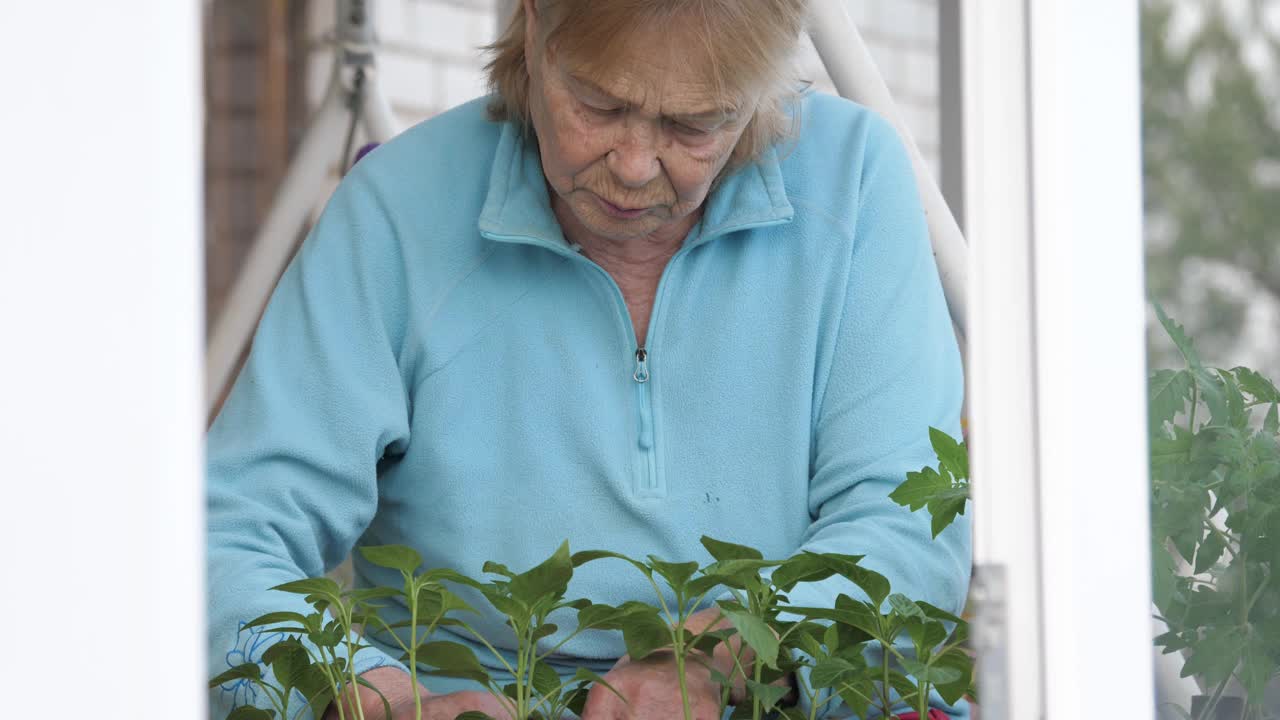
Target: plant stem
[(521, 690), (922, 702), (492, 650), (755, 701), (887, 707), (335, 685), (413, 644), (1212, 706), (344, 624), (684, 683)]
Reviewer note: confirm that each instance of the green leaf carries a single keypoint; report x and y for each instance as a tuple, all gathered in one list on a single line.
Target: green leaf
[(1262, 389), (474, 715), (1213, 393), (437, 575), (1215, 656), (936, 613), (952, 453), (875, 585), (932, 674), (248, 712), (946, 507), (1209, 551), (944, 497), (804, 567), (545, 679), (756, 634), (1168, 393), (584, 675), (322, 586), (857, 696), (436, 601), (644, 633), (1236, 416), (244, 671), (709, 640), (313, 685), (600, 616), (1171, 451), (832, 671), (859, 615), (497, 568), (904, 606), (397, 557), (544, 631), (288, 659), (808, 643), (1179, 337), (451, 659), (1272, 423), (722, 551), (962, 664), (919, 488), (767, 695), (550, 578), (585, 556), (831, 638), (274, 618), (676, 574), (703, 584)]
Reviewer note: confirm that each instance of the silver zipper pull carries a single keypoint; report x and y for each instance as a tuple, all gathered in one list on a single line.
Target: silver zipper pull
[(641, 375)]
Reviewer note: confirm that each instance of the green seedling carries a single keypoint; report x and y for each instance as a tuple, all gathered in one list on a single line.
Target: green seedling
[(751, 596), (528, 600), (307, 660), (1215, 522), (646, 629), (943, 490)]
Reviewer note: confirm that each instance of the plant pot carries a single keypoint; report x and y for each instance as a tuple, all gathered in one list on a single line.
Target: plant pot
[(1229, 708)]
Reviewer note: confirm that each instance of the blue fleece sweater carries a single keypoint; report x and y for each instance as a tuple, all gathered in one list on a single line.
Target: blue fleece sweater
[(439, 368)]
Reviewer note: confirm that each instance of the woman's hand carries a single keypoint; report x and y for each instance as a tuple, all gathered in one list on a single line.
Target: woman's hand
[(395, 685), (652, 689)]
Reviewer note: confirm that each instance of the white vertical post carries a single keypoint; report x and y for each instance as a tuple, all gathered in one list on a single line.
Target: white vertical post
[(1091, 358), (1001, 367), (100, 393)]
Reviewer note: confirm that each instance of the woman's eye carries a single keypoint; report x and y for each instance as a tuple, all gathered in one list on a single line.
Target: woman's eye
[(604, 111), (690, 130)]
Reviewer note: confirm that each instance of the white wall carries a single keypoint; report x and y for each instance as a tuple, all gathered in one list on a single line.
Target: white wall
[(100, 395)]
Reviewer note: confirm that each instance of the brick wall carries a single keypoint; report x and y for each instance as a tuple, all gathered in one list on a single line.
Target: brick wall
[(255, 110)]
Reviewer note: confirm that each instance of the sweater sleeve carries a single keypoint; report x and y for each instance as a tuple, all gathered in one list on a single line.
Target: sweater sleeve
[(894, 372), (292, 456)]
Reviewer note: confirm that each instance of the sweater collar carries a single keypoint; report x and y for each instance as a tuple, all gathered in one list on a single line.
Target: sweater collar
[(517, 208)]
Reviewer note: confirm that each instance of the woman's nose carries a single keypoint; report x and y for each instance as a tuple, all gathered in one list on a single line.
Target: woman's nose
[(634, 159)]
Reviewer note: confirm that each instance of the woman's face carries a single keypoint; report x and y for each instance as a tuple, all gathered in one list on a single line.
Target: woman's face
[(633, 154)]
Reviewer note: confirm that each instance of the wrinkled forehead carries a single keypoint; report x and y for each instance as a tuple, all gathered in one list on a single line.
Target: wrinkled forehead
[(675, 59)]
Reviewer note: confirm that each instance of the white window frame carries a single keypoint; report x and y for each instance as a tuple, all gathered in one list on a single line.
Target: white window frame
[(1057, 360), (101, 305)]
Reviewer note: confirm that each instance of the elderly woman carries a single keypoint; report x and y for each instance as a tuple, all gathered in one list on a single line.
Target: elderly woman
[(647, 290)]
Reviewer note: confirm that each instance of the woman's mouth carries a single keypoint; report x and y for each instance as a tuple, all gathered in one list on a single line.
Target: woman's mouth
[(619, 212)]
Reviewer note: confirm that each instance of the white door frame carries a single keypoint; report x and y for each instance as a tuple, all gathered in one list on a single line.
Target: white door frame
[(101, 304), (1057, 358)]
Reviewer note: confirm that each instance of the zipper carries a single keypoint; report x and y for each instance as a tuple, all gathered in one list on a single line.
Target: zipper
[(648, 465)]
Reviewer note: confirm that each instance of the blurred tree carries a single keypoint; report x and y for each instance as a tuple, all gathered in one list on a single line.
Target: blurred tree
[(1211, 156)]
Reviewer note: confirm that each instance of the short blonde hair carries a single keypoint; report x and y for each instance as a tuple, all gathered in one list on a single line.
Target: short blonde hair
[(749, 45)]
